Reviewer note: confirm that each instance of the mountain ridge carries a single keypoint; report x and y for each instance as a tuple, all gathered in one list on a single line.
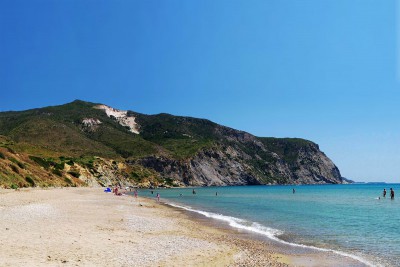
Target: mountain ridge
[(151, 150)]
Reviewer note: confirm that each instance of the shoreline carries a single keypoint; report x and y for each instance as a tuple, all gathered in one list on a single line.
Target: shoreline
[(85, 226), (260, 234), (291, 253)]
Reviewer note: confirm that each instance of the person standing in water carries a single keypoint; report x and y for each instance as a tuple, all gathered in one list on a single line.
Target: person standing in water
[(384, 192), (158, 197), (294, 191), (391, 193)]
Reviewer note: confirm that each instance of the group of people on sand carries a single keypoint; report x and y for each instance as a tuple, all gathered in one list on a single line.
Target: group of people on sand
[(391, 193), (116, 192)]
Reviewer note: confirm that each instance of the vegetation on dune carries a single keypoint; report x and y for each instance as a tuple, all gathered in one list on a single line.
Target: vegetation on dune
[(68, 181), (20, 164), (76, 174), (30, 180), (41, 161), (23, 170)]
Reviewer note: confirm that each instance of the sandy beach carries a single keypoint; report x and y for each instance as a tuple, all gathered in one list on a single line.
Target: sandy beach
[(87, 227)]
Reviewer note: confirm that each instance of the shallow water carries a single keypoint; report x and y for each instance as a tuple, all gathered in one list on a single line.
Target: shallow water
[(349, 219)]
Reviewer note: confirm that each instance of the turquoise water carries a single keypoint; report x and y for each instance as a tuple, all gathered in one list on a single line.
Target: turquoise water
[(349, 219)]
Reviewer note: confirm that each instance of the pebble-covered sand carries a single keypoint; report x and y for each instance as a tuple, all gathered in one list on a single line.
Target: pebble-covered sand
[(87, 227)]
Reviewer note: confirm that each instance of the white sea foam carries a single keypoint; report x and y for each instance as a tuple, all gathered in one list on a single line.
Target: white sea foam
[(268, 232)]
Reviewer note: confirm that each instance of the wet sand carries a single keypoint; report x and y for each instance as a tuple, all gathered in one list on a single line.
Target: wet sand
[(87, 227)]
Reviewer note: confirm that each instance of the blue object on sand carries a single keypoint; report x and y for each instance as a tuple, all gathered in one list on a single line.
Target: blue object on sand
[(107, 190)]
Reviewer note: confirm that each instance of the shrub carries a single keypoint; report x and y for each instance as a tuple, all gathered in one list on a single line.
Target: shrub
[(59, 166), (42, 162), (30, 180), (76, 174), (20, 164), (57, 172), (14, 168), (67, 180), (2, 156), (89, 164), (14, 186)]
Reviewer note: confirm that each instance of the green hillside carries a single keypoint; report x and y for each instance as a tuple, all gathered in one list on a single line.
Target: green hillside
[(58, 129), (168, 148)]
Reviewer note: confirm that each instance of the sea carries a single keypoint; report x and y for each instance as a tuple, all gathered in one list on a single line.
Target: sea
[(352, 220)]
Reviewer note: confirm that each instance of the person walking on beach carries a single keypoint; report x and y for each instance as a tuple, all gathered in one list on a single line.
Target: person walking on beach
[(158, 197), (384, 192), (135, 193), (391, 193)]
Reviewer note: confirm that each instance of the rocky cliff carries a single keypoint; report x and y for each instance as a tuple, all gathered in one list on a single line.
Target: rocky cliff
[(258, 163)]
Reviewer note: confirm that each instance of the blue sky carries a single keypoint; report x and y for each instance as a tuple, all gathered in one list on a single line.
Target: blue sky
[(326, 71)]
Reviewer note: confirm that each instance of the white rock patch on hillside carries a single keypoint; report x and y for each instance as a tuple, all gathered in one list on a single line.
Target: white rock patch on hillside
[(122, 117), (90, 122)]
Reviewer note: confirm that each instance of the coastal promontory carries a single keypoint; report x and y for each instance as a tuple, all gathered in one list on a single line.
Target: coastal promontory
[(83, 143)]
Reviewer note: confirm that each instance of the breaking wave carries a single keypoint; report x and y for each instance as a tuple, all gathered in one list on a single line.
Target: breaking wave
[(266, 231)]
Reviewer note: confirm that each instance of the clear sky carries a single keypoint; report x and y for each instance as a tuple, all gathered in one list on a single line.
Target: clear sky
[(323, 70)]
